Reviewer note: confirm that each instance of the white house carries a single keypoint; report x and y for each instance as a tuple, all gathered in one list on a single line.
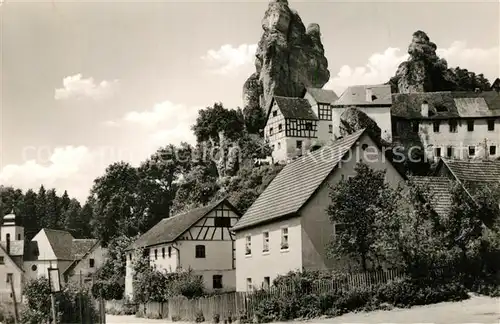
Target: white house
[(199, 240), (287, 228), (374, 100)]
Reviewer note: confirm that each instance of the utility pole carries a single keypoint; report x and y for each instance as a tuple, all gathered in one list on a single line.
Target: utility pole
[(16, 311), (81, 300), (486, 152)]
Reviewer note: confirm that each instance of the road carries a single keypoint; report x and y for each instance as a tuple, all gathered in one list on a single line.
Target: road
[(482, 310)]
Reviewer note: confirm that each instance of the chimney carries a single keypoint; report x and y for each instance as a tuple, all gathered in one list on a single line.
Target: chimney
[(369, 95), (424, 109), (7, 244)]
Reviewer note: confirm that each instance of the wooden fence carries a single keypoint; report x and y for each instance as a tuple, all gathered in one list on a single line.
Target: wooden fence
[(244, 303)]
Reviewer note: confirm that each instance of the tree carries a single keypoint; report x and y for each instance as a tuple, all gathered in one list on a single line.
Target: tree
[(353, 203), (74, 222), (64, 203), (41, 206), (52, 219), (213, 121), (406, 229)]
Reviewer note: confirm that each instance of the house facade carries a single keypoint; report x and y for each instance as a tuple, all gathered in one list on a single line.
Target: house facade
[(89, 257), (22, 260), (291, 127), (374, 100), (453, 125), (320, 101), (199, 240), (287, 228)]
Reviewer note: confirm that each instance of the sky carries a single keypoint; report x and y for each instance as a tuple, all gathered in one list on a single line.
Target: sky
[(85, 84)]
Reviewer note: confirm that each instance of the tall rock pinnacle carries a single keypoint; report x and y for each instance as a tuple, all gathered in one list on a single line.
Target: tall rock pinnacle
[(289, 58)]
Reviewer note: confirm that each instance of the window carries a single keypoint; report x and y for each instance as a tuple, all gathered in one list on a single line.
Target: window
[(330, 129), (414, 126), (470, 125), (217, 281), (34, 267), (130, 256), (438, 152), (248, 245), (271, 131), (284, 238), (18, 237), (449, 151), (472, 150), (491, 124), (249, 284), (169, 251), (265, 242), (299, 145), (453, 126), (275, 113), (493, 150), (279, 145), (200, 251), (91, 263), (272, 147), (325, 112), (267, 282), (163, 253), (2, 261), (222, 222), (309, 126), (156, 254), (9, 277), (280, 128), (435, 126)]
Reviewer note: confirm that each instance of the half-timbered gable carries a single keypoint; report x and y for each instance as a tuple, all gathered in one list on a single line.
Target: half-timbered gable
[(199, 239)]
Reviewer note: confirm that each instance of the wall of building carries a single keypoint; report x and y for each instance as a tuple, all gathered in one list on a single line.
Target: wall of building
[(317, 229), (39, 268), (276, 139), (83, 269), (381, 115), (9, 266), (461, 139), (276, 261), (16, 233), (228, 279)]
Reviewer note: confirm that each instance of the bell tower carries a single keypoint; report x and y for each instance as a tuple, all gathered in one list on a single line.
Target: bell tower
[(9, 230)]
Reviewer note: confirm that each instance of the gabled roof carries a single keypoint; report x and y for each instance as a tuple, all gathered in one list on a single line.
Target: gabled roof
[(496, 84), (296, 183), (10, 258), (170, 229), (297, 108), (61, 243), (356, 96), (80, 247), (440, 191), (446, 104), (473, 170), (323, 96)]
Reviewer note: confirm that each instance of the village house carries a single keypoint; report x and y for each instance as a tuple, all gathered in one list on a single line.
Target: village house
[(22, 260), (199, 239), (320, 101), (89, 257), (287, 228), (459, 125), (373, 100)]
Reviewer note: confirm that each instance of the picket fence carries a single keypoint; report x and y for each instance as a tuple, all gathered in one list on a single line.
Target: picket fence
[(236, 304)]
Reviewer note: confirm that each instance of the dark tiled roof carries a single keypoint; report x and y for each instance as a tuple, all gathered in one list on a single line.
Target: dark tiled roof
[(298, 108), (16, 247), (474, 170), (439, 189), (322, 95), (356, 96), (446, 104), (61, 243), (81, 246), (31, 251), (169, 229), (296, 183)]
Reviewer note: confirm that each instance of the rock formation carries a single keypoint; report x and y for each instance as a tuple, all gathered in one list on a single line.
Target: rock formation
[(289, 58), (424, 71), (352, 120)]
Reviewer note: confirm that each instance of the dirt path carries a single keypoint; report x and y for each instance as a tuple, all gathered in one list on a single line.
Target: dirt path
[(482, 310)]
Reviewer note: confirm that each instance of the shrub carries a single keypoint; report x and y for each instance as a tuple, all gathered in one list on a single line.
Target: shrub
[(175, 318), (216, 318), (199, 317)]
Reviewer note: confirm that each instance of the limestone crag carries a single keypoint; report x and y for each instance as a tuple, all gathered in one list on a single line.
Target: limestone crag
[(424, 71), (352, 120), (288, 59)]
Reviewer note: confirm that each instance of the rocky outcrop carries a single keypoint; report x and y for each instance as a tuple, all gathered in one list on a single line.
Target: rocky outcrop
[(424, 71), (288, 59), (352, 120)]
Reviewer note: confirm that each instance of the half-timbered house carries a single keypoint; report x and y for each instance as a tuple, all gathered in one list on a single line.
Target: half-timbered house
[(291, 127), (199, 239), (321, 102)]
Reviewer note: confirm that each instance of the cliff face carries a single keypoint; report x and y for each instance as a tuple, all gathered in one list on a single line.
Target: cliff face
[(424, 71), (289, 58)]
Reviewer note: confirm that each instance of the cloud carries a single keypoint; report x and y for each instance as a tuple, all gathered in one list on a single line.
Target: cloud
[(75, 86), (228, 59), (382, 66)]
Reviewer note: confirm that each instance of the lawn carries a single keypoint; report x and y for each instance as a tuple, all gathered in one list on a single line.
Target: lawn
[(477, 309)]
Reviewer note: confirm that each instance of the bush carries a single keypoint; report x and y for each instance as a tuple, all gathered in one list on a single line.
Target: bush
[(176, 318), (199, 317), (216, 318)]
